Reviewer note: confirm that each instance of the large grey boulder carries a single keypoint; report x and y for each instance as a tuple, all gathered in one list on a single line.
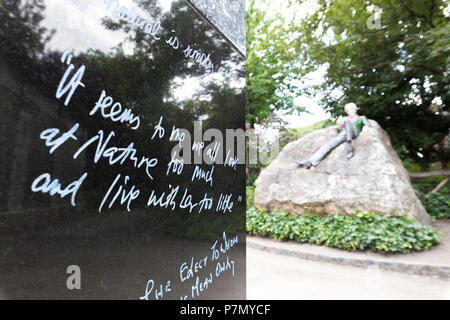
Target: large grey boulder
[(374, 180)]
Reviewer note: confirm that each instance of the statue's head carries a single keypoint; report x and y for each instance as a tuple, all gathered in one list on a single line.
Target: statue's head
[(351, 109)]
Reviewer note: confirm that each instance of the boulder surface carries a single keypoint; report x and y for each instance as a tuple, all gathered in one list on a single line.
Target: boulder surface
[(374, 180)]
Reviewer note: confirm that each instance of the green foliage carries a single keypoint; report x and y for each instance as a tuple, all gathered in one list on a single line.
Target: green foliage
[(289, 135), (250, 196), (364, 231), (397, 74), (438, 204), (252, 175), (269, 64), (298, 133)]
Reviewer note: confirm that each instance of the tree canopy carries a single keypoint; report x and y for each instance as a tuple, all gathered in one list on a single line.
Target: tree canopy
[(270, 64), (397, 71)]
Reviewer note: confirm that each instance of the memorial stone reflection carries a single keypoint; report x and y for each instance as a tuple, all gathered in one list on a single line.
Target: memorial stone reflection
[(99, 102)]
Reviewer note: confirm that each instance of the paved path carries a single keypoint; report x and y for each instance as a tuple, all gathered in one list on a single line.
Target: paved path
[(289, 270), (273, 276)]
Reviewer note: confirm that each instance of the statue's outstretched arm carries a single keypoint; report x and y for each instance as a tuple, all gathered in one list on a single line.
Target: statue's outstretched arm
[(365, 121)]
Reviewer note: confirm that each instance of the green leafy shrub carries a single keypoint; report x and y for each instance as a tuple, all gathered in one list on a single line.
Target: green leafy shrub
[(360, 232), (250, 195), (438, 204)]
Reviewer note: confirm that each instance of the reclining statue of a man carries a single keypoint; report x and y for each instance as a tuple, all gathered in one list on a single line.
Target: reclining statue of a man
[(348, 130)]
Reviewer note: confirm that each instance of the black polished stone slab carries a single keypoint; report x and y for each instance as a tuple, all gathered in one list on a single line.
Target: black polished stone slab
[(90, 94)]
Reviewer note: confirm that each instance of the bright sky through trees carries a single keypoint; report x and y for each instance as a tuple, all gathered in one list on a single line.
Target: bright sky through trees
[(313, 112)]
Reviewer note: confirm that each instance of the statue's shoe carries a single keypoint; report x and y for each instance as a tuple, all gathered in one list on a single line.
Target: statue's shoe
[(304, 164), (350, 151)]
